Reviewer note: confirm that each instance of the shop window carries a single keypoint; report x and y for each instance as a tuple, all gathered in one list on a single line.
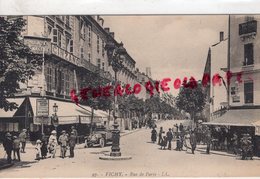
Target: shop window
[(248, 54), (249, 92)]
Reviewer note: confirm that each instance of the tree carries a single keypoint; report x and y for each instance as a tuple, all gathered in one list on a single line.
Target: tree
[(17, 64), (191, 100)]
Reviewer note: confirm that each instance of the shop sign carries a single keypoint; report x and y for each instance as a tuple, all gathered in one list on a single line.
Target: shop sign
[(42, 107)]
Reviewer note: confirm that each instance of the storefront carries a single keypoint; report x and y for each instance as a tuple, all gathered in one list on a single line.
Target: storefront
[(68, 113), (239, 121)]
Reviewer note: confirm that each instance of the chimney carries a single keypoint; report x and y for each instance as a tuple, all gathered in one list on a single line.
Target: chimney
[(107, 30), (112, 34)]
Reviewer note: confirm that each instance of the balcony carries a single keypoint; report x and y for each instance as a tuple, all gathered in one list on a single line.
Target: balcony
[(249, 27)]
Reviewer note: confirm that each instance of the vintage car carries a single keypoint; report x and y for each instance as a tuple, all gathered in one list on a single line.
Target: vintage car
[(100, 137)]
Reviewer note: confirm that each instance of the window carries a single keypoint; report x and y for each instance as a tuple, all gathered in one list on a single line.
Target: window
[(103, 48), (49, 30), (59, 39), (103, 66), (99, 63), (71, 46), (67, 83), (55, 36), (49, 79), (249, 92), (81, 52), (67, 44), (89, 57), (89, 35), (68, 20), (81, 28), (249, 54), (97, 44)]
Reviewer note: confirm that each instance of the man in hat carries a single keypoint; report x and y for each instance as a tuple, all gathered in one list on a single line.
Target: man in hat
[(193, 141), (63, 139), (22, 137), (8, 146), (72, 143), (16, 148), (169, 138)]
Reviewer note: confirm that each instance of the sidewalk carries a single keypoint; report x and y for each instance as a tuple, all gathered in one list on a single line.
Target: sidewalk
[(203, 148)]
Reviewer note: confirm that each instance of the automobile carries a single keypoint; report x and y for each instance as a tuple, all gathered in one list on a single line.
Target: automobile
[(100, 137)]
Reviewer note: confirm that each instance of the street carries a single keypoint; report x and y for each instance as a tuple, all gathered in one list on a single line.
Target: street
[(147, 161)]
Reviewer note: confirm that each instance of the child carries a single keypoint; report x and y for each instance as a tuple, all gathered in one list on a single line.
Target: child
[(163, 142), (38, 149)]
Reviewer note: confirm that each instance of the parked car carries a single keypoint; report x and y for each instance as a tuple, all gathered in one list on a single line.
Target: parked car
[(100, 137)]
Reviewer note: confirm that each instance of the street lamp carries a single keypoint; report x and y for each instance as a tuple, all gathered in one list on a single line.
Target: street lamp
[(54, 118), (115, 56)]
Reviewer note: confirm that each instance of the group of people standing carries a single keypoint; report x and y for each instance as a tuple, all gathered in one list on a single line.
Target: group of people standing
[(15, 144), (182, 137), (65, 140), (43, 146)]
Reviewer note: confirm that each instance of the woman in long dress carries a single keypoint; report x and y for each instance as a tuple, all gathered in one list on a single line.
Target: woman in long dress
[(154, 135)]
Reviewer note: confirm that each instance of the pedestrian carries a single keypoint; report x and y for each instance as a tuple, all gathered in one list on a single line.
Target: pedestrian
[(16, 148), (235, 143), (246, 146), (73, 129), (193, 141), (8, 146), (22, 137), (181, 127), (52, 144), (38, 149), (163, 142), (154, 135), (208, 140), (169, 138), (160, 136), (44, 147), (63, 140), (178, 142), (72, 143)]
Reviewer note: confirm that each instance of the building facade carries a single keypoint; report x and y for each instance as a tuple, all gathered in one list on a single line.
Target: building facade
[(74, 57)]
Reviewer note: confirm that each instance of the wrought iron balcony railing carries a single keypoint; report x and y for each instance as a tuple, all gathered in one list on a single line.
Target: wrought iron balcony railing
[(248, 27)]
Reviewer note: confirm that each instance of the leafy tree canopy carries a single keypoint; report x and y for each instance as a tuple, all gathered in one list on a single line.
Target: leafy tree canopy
[(17, 64)]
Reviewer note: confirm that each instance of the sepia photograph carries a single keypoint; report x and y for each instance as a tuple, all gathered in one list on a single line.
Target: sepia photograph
[(129, 96)]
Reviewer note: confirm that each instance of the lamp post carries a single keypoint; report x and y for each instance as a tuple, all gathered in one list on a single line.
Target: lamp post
[(115, 59), (55, 119)]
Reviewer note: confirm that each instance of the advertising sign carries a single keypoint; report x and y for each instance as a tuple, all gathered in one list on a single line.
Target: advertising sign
[(42, 107)]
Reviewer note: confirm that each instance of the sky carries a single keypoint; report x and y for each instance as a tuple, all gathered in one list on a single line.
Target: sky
[(172, 45)]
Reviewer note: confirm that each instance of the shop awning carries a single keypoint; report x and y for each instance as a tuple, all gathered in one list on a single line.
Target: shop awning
[(237, 117), (10, 114), (68, 112)]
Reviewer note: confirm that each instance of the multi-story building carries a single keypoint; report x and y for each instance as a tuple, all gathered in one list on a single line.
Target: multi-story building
[(74, 57), (244, 88)]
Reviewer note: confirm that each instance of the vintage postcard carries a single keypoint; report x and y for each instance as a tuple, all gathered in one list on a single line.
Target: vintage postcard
[(129, 96)]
